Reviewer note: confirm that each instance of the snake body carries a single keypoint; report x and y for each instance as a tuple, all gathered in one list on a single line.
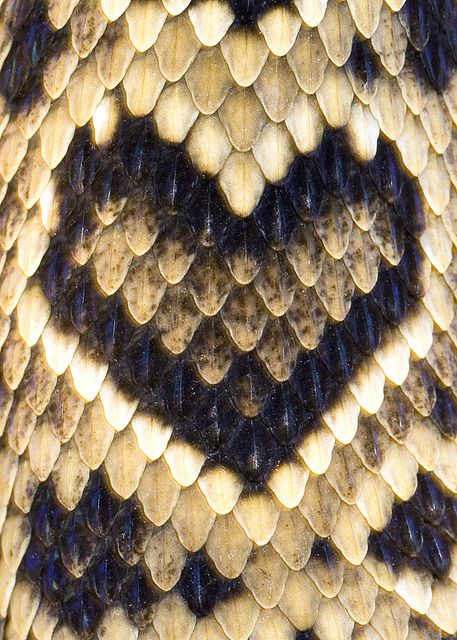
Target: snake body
[(228, 397)]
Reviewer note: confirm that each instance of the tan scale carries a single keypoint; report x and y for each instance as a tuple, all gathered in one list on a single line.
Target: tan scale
[(158, 492), (70, 476), (125, 464), (143, 83), (437, 123), (279, 26), (145, 20), (316, 450), (389, 108), (94, 435), (165, 557), (88, 24), (336, 31), (273, 625), (211, 20), (228, 546), (362, 132), (333, 622), (175, 112), (366, 15), (311, 12), (335, 96), (350, 534), (209, 80)]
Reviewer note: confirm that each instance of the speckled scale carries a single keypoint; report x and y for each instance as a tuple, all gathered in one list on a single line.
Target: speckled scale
[(206, 213), (99, 505), (54, 577), (284, 415), (131, 532), (248, 384), (77, 544), (242, 248), (139, 596), (83, 229), (444, 412), (111, 189), (85, 162), (47, 516), (360, 198), (279, 409)]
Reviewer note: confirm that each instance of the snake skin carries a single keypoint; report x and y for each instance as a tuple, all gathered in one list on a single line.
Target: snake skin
[(228, 249)]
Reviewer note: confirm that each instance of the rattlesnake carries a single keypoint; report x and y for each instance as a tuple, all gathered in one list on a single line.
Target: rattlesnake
[(228, 239)]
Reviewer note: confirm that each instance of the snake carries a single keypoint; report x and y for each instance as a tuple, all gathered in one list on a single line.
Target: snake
[(228, 339)]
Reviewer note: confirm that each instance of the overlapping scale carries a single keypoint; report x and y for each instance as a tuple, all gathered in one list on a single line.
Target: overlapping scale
[(228, 397)]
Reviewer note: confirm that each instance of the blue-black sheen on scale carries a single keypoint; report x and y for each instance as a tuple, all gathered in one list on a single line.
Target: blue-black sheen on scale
[(102, 543), (421, 531), (200, 585), (431, 27), (92, 558), (248, 11), (306, 635), (34, 43), (248, 421)]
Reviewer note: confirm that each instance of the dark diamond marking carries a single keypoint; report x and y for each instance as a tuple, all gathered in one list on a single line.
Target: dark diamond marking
[(257, 433)]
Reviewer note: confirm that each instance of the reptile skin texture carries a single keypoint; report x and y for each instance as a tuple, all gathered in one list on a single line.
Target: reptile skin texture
[(228, 339)]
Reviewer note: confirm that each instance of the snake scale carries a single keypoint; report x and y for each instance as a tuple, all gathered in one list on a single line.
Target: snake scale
[(228, 255)]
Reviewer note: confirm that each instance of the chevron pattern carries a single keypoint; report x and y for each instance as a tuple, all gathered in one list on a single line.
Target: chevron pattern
[(228, 401)]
